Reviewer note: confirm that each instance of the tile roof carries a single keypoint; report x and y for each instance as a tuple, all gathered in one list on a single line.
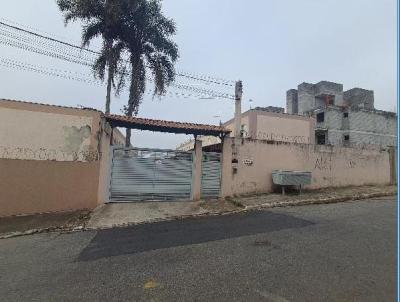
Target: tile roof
[(164, 126)]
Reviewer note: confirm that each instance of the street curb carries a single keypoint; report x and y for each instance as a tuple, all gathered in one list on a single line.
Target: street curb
[(254, 208), (320, 200), (207, 214), (43, 230)]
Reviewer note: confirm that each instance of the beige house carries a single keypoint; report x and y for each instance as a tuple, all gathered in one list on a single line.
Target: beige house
[(264, 124)]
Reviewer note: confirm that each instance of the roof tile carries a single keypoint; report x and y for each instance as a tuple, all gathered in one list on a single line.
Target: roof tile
[(164, 126)]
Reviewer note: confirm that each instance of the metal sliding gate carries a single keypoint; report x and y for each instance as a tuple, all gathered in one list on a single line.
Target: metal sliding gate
[(211, 175), (139, 174)]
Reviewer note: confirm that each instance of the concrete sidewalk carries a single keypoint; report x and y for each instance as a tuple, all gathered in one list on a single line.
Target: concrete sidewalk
[(119, 214), (122, 214)]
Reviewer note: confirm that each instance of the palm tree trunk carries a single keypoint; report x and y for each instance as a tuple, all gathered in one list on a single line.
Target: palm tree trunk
[(108, 96), (128, 130), (134, 96), (110, 74)]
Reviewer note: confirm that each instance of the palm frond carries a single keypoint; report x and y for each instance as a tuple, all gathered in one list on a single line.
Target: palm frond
[(99, 66), (90, 31)]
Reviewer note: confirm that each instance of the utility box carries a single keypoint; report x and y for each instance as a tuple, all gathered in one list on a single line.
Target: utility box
[(291, 178)]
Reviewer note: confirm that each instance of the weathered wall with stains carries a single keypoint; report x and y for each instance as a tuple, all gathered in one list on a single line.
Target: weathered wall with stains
[(330, 166), (35, 135), (49, 158)]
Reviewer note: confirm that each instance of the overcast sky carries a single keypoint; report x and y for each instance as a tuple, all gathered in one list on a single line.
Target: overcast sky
[(272, 45)]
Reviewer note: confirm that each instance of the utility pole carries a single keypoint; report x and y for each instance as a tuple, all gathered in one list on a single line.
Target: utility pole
[(238, 107)]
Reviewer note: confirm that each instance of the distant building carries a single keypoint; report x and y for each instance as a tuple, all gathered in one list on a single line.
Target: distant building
[(266, 123), (344, 118)]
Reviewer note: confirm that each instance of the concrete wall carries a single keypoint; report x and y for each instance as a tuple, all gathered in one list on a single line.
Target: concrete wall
[(366, 128), (359, 97), (330, 88), (291, 101), (330, 166), (38, 186), (305, 97), (259, 124), (284, 128), (333, 121), (36, 135), (372, 128), (244, 123), (49, 158)]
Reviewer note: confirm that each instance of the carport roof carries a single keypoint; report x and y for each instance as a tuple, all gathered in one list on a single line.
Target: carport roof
[(165, 126)]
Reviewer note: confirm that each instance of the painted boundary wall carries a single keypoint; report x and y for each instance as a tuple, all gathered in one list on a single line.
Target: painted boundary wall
[(330, 166), (52, 158)]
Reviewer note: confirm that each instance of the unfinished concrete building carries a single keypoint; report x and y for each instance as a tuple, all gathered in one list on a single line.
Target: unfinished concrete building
[(343, 118)]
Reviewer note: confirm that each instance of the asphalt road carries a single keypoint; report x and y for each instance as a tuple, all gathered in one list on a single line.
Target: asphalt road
[(336, 252)]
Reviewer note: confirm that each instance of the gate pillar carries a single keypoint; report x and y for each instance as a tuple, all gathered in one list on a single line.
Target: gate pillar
[(196, 180)]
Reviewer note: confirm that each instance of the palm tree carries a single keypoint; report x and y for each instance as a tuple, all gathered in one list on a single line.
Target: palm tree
[(146, 34), (101, 18)]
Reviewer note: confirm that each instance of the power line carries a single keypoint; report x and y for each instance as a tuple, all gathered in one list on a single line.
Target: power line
[(203, 78), (76, 76), (205, 91), (47, 38), (63, 55), (28, 27), (41, 70), (53, 54), (7, 34)]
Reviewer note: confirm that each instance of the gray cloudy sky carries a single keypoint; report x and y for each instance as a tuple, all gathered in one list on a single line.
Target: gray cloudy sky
[(272, 45)]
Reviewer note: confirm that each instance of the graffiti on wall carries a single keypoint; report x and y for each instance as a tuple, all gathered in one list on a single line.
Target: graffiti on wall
[(299, 139), (323, 163), (352, 164)]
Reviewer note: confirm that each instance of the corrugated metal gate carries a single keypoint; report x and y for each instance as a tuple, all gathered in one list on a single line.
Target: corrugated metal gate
[(211, 175), (150, 174)]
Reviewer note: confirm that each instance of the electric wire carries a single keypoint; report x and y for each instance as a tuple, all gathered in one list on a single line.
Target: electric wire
[(204, 78), (77, 76)]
